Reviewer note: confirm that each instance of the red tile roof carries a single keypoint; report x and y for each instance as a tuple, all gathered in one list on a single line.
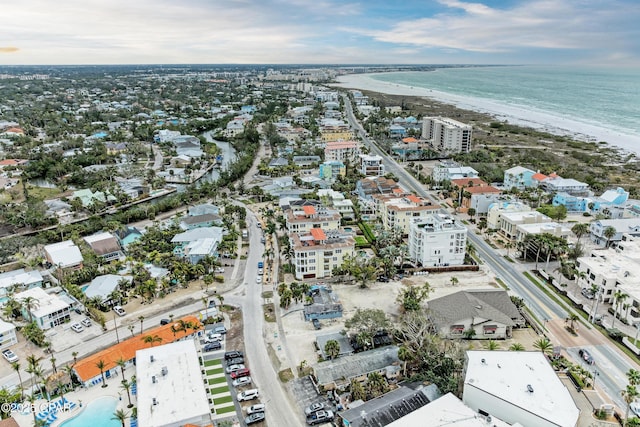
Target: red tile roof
[(414, 199), (539, 176), (318, 234), (126, 350), (464, 182), (409, 139), (309, 210)]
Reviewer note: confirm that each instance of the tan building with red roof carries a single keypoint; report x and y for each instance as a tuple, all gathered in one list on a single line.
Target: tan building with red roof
[(471, 187), (88, 372), (399, 212), (317, 252), (305, 218), (12, 162), (342, 151)]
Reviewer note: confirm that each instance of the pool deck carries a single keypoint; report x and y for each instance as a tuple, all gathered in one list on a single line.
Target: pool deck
[(81, 397)]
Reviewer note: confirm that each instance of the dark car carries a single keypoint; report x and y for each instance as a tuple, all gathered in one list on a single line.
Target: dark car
[(586, 356), (235, 361), (165, 321), (254, 418), (383, 279), (316, 324), (212, 346), (232, 354), (244, 372)]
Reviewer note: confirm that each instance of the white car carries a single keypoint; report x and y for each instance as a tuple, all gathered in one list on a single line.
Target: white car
[(213, 338), (119, 310), (259, 279), (10, 356), (258, 407), (233, 368), (239, 382), (86, 322), (77, 327)]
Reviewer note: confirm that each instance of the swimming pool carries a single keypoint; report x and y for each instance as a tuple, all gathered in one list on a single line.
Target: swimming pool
[(96, 414)]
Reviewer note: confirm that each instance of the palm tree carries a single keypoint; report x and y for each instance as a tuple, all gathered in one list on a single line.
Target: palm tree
[(580, 230), (131, 328), (616, 300), (376, 384), (491, 345), (516, 346), (357, 390), (629, 395), (120, 415), (141, 319), (75, 357), (332, 349), (544, 345), (151, 339), (572, 318), (454, 281), (121, 363), (633, 376), (609, 232), (30, 303), (100, 364), (16, 367), (405, 355), (34, 366), (126, 386)]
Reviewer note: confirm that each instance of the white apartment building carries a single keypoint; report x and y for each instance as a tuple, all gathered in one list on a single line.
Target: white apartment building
[(622, 226), (495, 212), (614, 270), (49, 310), (510, 221), (517, 387), (447, 135), (304, 219), (337, 201), (8, 335), (371, 165), (397, 213), (317, 253), (342, 151), (170, 388), (448, 170), (437, 240)]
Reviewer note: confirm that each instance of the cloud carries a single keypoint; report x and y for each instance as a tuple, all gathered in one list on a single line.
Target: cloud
[(8, 49)]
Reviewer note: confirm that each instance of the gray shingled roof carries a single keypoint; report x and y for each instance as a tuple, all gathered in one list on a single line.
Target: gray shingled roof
[(490, 304), (350, 366)]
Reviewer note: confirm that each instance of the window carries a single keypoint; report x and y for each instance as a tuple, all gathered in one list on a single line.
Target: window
[(457, 329), (490, 330)]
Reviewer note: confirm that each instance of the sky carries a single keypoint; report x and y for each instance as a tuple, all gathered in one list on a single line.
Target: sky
[(593, 32)]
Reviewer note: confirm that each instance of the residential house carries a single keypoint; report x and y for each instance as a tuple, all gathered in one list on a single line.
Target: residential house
[(325, 304), (278, 163), (338, 373), (89, 374), (203, 209), (480, 314), (371, 185), (556, 184), (8, 335), (306, 161), (105, 245), (448, 170), (128, 235), (64, 255), (598, 227), (198, 221), (437, 240), (397, 131), (197, 243), (88, 197), (394, 405), (469, 187), (371, 165), (447, 135), (337, 201), (19, 279), (519, 177), (49, 310), (317, 253), (518, 387), (103, 287)]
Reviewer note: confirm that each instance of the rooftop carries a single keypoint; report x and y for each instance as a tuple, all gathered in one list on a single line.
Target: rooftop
[(347, 367), (46, 303), (20, 277), (64, 254)]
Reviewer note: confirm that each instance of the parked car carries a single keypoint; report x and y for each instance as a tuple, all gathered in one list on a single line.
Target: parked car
[(248, 395), (258, 407), (586, 356), (316, 324), (254, 418), (213, 338), (235, 361), (319, 417), (86, 322), (212, 346), (219, 270), (240, 373), (588, 293), (314, 407), (221, 329), (212, 303), (77, 327), (232, 354), (384, 279), (233, 368), (259, 280), (165, 321), (119, 310), (10, 356), (239, 382)]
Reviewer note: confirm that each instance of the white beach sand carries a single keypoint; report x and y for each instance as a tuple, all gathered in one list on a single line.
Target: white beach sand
[(540, 120)]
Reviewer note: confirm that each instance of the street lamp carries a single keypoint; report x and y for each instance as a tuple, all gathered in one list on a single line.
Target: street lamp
[(115, 322), (595, 375)]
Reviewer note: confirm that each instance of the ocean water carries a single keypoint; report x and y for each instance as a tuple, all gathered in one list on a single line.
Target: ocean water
[(607, 98)]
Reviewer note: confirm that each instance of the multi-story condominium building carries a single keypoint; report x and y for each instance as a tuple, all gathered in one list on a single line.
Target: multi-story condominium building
[(331, 170), (437, 240), (342, 151), (449, 170), (49, 311), (305, 218), (332, 134), (317, 252), (371, 165), (495, 211), (447, 135), (515, 226), (556, 184), (621, 226), (519, 177), (397, 213)]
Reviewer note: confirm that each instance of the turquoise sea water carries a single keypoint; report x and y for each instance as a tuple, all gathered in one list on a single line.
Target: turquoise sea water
[(97, 413), (605, 97)]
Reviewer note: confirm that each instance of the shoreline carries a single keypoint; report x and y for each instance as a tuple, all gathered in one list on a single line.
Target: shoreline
[(516, 115)]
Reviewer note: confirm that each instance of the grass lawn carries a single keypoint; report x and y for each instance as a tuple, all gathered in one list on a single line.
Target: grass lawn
[(226, 409), (213, 362), (218, 390), (220, 380), (225, 399), (215, 371), (360, 240)]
